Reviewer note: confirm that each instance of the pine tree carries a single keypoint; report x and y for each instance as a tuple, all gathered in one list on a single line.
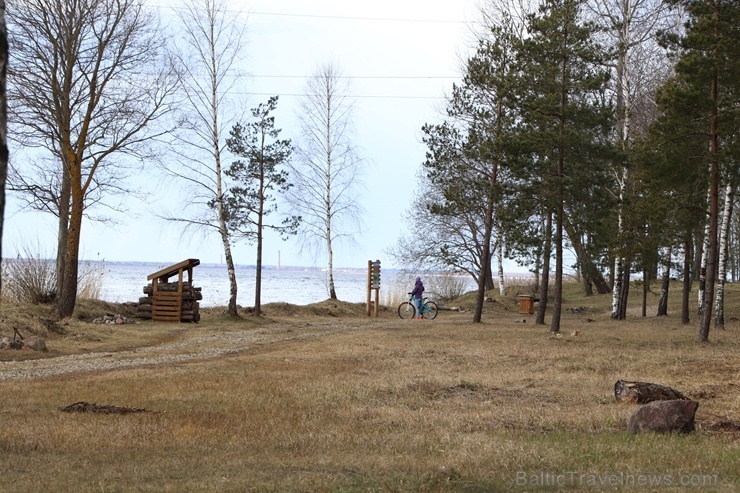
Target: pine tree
[(565, 122), (708, 74), (467, 153), (248, 201)]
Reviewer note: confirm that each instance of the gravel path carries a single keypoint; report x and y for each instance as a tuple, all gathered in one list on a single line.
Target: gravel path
[(193, 348)]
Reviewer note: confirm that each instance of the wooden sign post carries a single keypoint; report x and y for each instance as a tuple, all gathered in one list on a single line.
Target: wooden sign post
[(373, 284)]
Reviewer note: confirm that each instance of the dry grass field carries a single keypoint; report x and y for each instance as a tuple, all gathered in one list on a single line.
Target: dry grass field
[(322, 398)]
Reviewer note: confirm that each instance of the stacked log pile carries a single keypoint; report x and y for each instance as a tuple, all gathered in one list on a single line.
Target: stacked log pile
[(189, 301)]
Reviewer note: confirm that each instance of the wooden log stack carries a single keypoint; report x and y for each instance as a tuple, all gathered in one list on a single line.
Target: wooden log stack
[(188, 302), (172, 301)]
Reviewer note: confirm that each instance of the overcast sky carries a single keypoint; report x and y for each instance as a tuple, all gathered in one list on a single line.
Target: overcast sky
[(403, 57)]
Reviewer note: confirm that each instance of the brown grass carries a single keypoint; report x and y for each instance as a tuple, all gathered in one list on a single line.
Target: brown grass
[(383, 405)]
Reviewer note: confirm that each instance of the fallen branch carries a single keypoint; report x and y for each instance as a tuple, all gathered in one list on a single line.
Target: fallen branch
[(86, 407)]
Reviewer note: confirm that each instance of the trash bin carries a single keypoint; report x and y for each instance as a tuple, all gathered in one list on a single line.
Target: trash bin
[(526, 304)]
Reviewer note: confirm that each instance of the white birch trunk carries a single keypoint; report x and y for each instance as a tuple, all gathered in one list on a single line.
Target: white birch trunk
[(631, 23), (328, 210), (500, 258), (623, 109), (223, 228), (703, 267), (212, 43), (724, 233), (619, 260)]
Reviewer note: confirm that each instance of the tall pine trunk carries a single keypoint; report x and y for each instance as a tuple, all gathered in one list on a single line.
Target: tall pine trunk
[(687, 261), (486, 273), (712, 254), (624, 289), (645, 291), (665, 284), (545, 283), (486, 254), (260, 235), (557, 294)]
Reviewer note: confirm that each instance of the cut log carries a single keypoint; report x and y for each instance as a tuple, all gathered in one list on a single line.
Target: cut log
[(172, 286), (190, 318), (190, 305), (644, 392)]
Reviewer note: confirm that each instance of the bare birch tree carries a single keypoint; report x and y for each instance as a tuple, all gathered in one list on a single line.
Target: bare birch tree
[(211, 48), (631, 26), (90, 86), (327, 169)]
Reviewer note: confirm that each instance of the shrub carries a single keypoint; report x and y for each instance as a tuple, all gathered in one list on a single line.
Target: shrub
[(448, 286), (29, 280), (90, 280)]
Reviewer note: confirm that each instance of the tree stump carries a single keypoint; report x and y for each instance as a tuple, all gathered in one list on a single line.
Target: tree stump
[(644, 392)]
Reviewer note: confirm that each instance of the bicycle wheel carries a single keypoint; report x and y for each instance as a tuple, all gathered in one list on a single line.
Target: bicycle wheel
[(430, 310), (406, 310)]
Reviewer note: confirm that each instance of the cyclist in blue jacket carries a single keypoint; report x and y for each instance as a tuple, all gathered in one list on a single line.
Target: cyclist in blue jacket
[(416, 293)]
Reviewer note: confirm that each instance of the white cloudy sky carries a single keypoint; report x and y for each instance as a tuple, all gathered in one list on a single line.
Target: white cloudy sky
[(403, 56)]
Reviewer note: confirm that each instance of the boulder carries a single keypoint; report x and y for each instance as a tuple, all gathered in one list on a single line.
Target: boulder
[(36, 343), (664, 417), (15, 344)]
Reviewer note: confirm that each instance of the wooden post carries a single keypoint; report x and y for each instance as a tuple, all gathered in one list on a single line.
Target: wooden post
[(377, 302), (373, 284), (369, 282)]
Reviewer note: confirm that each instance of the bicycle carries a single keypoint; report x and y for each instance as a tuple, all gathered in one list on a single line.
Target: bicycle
[(407, 310)]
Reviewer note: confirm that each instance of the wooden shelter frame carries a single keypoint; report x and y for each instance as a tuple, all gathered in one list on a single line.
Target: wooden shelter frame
[(167, 305)]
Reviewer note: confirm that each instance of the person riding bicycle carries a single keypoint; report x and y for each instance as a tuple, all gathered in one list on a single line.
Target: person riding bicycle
[(416, 294)]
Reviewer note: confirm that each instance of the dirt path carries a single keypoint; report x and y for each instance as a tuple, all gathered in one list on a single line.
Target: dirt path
[(191, 348)]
